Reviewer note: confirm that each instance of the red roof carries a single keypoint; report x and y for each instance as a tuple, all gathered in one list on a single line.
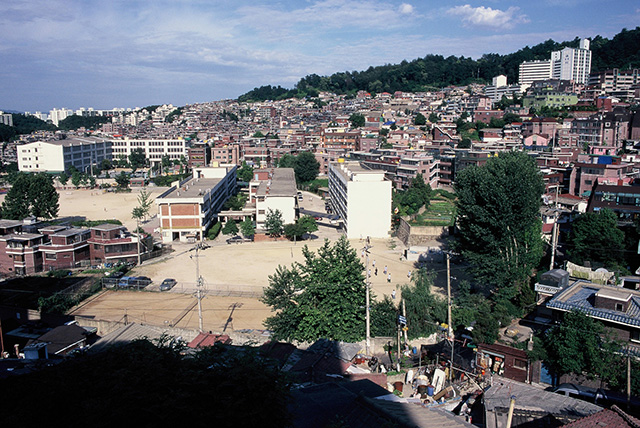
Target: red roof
[(208, 339), (606, 418)]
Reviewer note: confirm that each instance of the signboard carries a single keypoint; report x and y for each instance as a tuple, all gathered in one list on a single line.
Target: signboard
[(546, 289), (402, 320)]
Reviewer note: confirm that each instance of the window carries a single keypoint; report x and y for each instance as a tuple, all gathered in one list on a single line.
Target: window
[(634, 336), (50, 256), (619, 307), (520, 364)]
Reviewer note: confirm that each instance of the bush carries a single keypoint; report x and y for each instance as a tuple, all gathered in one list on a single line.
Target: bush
[(61, 273), (214, 231)]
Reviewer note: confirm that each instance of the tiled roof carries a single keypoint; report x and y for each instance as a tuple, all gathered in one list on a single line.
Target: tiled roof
[(581, 296), (606, 418), (208, 339)]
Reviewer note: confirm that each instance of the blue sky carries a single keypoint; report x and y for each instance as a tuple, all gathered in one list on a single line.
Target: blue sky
[(74, 53)]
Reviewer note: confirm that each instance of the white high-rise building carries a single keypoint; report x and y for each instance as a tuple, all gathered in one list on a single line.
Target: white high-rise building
[(362, 199), (55, 115), (530, 71), (572, 64)]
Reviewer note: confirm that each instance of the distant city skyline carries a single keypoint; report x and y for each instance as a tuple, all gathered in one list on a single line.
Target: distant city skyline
[(73, 54)]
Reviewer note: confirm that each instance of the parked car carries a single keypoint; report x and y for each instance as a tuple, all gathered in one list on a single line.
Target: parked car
[(237, 240), (143, 281), (168, 284), (126, 281), (318, 218)]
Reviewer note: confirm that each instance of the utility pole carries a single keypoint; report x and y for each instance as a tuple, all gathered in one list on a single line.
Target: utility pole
[(197, 248), (368, 316), (449, 327), (138, 235), (554, 235), (404, 314)]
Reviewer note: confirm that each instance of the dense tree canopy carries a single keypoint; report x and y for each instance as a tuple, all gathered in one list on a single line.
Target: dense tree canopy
[(74, 122), (274, 224), (595, 237), (499, 220), (31, 194), (424, 310), (415, 197), (437, 71), (322, 297), (142, 384), (306, 167)]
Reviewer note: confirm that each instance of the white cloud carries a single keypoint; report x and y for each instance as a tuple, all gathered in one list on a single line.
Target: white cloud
[(486, 17), (406, 9)]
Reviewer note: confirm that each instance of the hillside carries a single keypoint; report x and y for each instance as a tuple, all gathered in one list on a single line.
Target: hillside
[(435, 71)]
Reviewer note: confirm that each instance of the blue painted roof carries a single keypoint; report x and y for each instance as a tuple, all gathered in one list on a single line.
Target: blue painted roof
[(583, 298)]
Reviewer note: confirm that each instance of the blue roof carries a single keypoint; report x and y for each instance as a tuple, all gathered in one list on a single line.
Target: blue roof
[(583, 298)]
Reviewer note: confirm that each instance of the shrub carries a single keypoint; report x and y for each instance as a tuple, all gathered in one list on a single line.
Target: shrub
[(214, 231)]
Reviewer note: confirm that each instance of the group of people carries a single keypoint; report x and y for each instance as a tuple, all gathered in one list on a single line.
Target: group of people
[(385, 270)]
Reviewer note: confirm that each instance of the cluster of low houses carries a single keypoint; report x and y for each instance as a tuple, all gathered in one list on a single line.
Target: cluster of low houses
[(334, 379)]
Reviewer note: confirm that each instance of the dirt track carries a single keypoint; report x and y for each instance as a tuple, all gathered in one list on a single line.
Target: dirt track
[(236, 269)]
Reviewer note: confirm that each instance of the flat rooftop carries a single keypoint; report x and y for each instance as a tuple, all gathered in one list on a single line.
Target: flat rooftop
[(282, 183), (347, 168), (194, 188)]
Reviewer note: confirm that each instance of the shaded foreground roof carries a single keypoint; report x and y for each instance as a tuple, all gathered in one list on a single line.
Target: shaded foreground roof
[(613, 417)]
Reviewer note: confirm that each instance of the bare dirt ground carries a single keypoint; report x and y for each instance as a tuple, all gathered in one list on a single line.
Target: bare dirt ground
[(227, 270)]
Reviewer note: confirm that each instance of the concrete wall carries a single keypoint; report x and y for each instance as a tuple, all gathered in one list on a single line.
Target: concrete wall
[(419, 235)]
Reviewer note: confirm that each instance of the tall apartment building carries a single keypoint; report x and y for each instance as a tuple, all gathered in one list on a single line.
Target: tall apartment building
[(60, 155), (530, 71), (6, 119), (187, 210), (566, 64), (572, 64), (362, 199)]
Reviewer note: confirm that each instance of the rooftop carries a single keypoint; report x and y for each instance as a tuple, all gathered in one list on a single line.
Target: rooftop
[(194, 188), (282, 183), (581, 296)]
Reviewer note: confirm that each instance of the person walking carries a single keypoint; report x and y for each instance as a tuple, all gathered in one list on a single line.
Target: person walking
[(393, 294), (376, 272), (385, 269), (389, 278)]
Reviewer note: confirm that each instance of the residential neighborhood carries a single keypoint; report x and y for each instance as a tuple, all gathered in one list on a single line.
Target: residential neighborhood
[(463, 256)]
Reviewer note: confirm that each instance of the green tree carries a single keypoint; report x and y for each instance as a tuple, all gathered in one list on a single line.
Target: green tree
[(499, 221), (424, 310), (247, 228), (43, 197), (293, 231), (384, 315), (357, 120), (322, 297), (245, 172), (31, 194), (258, 134), (122, 180), (145, 202), (274, 224), (77, 178), (465, 143), (308, 223), (137, 158), (595, 237), (578, 345), (286, 161), (106, 165), (63, 178), (230, 228), (419, 120), (415, 197), (15, 205), (434, 118), (306, 167)]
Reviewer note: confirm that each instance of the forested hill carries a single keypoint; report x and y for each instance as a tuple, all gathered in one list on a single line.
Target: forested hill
[(622, 51)]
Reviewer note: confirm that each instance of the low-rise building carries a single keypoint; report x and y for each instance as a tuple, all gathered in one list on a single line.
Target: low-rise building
[(189, 208), (277, 192), (67, 247), (61, 155)]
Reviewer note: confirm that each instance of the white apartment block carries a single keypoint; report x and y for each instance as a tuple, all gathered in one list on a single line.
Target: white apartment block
[(530, 71), (278, 193), (55, 115), (189, 208), (572, 64), (154, 149), (58, 156), (499, 89), (362, 199), (6, 119)]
